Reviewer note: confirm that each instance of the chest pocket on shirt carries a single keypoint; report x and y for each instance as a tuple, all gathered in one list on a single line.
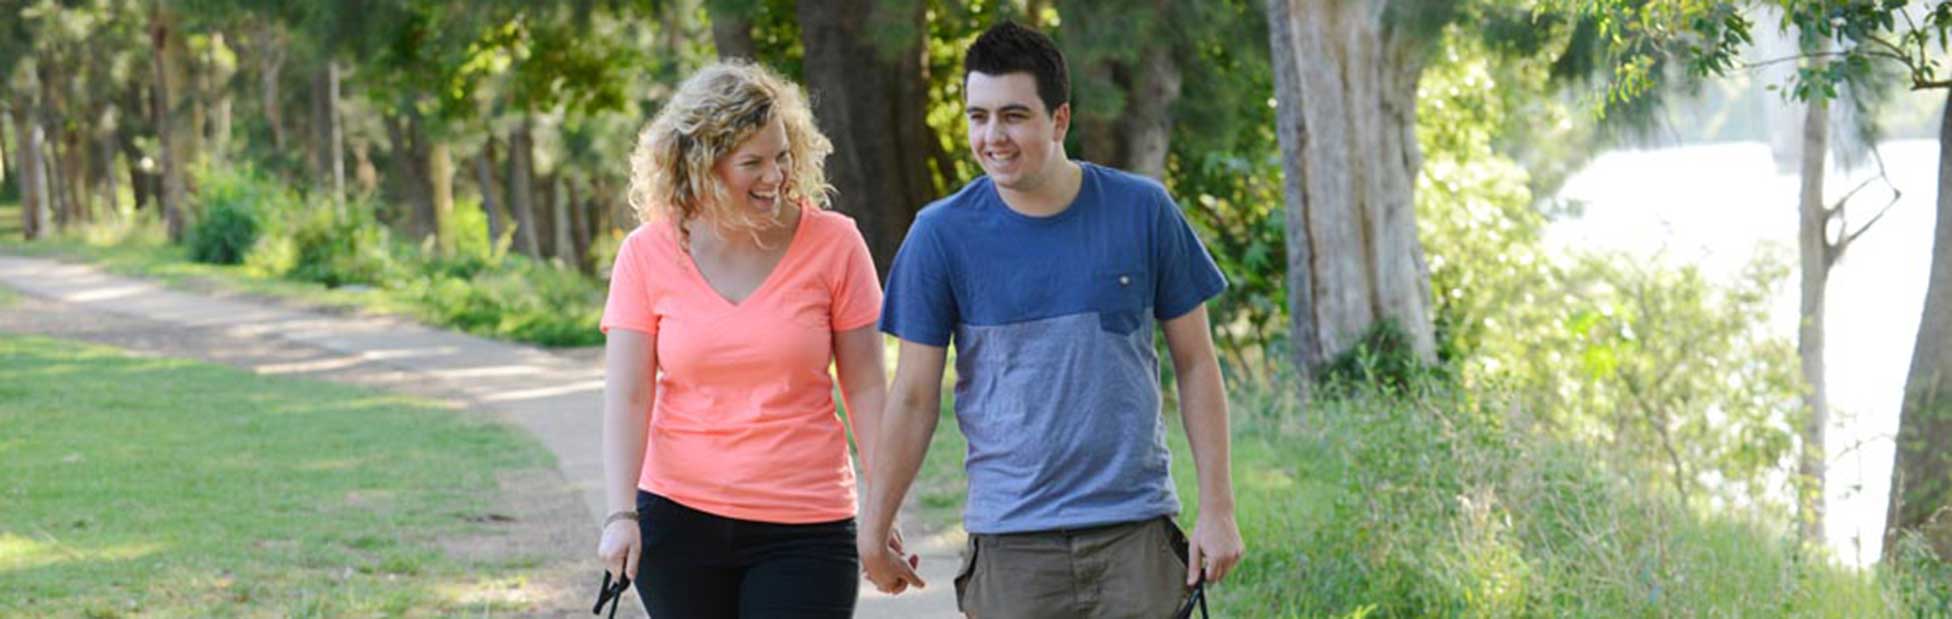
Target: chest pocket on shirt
[(1119, 296)]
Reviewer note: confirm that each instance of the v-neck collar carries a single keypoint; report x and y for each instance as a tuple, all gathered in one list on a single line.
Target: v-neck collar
[(792, 245)]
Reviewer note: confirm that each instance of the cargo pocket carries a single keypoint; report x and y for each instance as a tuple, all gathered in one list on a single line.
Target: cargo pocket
[(963, 576), (1176, 541), (1119, 296)]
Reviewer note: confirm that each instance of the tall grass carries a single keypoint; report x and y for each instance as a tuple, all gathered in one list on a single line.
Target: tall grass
[(1427, 501)]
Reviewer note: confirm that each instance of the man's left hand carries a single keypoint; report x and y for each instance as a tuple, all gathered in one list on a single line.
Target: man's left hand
[(1215, 549)]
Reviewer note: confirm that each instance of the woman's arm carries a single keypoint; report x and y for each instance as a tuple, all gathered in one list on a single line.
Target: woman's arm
[(863, 386), (629, 389)]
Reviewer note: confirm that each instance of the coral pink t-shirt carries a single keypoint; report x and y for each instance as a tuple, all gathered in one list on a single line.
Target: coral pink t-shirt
[(744, 423)]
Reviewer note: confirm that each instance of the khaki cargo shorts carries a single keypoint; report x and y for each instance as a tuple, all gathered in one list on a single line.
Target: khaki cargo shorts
[(1134, 569)]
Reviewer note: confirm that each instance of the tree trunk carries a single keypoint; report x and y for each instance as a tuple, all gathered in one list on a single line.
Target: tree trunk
[(407, 163), (870, 100), (337, 128), (6, 156), (484, 176), (440, 176), (271, 58), (54, 170), (168, 55), (731, 30), (1148, 125), (74, 176), (579, 223), (59, 148), (560, 204), (1814, 249), (521, 189), (1130, 127), (1921, 479), (218, 73), (27, 134), (145, 186), (111, 190), (545, 216), (45, 184), (329, 158), (321, 124), (1346, 87), (193, 93)]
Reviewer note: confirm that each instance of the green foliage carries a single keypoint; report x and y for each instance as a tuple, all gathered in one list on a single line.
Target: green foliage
[(477, 287), (1224, 167), (228, 227), (1443, 501), (336, 250), (1382, 357), (513, 298), (1666, 369), (1922, 580)]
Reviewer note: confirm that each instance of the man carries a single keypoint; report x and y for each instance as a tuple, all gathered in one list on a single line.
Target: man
[(1049, 275)]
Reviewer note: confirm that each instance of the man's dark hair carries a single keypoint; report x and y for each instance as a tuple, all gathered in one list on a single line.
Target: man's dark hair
[(1011, 48)]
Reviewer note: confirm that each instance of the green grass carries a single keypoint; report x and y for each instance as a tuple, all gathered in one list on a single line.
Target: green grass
[(10, 220), (1427, 506), (133, 486), (1392, 506), (941, 487)]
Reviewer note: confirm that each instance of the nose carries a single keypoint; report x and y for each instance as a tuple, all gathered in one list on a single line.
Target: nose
[(774, 174), (992, 132)]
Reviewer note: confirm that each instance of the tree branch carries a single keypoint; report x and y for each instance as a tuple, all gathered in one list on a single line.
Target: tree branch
[(1835, 251), (1792, 58), (1852, 237)]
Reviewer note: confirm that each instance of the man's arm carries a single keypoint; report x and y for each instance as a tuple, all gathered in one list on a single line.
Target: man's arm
[(907, 424), (1203, 406)]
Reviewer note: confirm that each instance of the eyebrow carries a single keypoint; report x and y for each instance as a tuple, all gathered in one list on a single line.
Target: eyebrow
[(1010, 107)]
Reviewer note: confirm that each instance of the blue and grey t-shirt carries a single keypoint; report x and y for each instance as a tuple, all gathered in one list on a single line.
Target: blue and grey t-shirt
[(1052, 319)]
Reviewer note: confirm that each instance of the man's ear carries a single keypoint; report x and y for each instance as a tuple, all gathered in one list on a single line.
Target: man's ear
[(1061, 121)]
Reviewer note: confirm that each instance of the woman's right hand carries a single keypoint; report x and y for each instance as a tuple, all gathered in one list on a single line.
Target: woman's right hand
[(620, 548)]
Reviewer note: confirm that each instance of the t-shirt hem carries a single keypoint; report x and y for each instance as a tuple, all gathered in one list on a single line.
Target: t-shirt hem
[(754, 515), (915, 337), (634, 326), (1166, 313), (1076, 523), (856, 324)]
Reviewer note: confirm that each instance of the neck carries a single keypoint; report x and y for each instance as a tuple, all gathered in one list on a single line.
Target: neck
[(777, 232), (1050, 197)]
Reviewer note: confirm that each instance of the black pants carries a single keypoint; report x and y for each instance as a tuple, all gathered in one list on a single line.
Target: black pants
[(705, 566)]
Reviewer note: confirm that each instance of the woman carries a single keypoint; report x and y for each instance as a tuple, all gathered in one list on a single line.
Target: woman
[(726, 469)]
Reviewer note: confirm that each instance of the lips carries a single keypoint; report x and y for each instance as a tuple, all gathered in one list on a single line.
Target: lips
[(999, 160)]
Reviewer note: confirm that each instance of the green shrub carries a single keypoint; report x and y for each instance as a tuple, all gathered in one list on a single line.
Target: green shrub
[(228, 225), (341, 250), (514, 298)]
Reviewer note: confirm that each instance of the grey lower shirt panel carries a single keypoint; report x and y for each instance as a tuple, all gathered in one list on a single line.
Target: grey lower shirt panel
[(1062, 418)]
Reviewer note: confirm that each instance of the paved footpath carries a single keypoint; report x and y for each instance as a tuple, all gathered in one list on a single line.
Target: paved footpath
[(556, 398)]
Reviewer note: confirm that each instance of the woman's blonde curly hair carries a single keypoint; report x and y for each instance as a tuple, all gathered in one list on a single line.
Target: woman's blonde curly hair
[(713, 112)]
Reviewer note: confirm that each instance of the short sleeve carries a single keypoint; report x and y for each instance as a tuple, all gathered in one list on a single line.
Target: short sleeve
[(629, 305), (920, 305), (1187, 276), (857, 290)]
